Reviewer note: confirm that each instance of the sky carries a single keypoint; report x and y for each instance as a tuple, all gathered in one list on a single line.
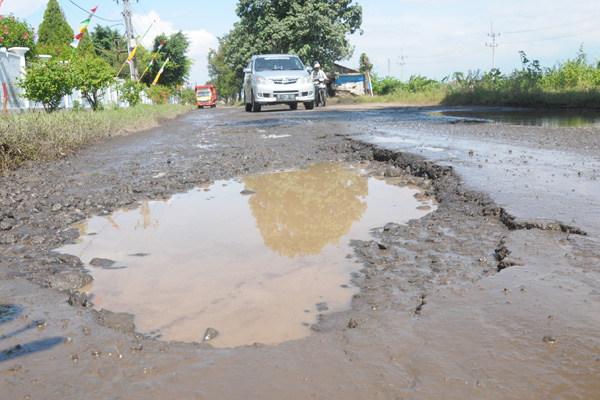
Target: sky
[(431, 38)]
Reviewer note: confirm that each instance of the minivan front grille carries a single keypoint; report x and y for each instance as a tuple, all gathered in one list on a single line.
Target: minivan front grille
[(285, 81)]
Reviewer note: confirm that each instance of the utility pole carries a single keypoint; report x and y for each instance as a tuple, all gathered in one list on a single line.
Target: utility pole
[(493, 45), (129, 27), (402, 63)]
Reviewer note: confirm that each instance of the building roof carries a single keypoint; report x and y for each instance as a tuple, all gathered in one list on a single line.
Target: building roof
[(340, 69)]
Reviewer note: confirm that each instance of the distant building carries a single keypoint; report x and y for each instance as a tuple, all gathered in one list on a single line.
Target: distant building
[(349, 80)]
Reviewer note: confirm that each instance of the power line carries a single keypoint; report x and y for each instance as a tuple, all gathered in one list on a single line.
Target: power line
[(594, 18), (87, 11), (557, 37)]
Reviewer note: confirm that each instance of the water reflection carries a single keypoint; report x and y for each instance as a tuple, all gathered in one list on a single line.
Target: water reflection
[(252, 267), (545, 118), (298, 213)]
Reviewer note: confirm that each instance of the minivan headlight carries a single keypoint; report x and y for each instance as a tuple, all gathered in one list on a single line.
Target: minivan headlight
[(263, 81), (306, 79)]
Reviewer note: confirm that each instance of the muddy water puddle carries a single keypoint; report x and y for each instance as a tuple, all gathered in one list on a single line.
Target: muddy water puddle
[(545, 118), (257, 260)]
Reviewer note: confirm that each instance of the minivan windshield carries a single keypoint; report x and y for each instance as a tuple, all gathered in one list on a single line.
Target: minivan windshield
[(278, 63)]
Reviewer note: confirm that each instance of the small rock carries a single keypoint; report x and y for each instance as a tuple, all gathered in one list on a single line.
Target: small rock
[(549, 339), (247, 192), (7, 224), (210, 334), (70, 280), (352, 324), (102, 262), (322, 306)]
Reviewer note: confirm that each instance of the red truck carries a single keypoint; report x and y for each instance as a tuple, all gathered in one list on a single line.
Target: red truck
[(206, 96)]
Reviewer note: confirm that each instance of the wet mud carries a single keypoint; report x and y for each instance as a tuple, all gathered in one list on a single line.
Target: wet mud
[(481, 298)]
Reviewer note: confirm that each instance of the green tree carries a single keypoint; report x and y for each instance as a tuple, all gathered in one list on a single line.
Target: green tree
[(365, 64), (221, 75), (14, 33), (315, 30), (47, 82), (110, 44), (92, 75), (86, 46), (54, 29), (178, 67), (143, 58)]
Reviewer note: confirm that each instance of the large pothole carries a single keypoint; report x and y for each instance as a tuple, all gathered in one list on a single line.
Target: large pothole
[(257, 260)]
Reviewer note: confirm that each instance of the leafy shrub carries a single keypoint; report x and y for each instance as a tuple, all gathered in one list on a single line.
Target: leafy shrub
[(131, 91), (159, 94), (386, 85), (14, 33), (77, 106), (92, 75), (47, 83)]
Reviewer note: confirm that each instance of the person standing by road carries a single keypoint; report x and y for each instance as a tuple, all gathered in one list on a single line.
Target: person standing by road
[(320, 80)]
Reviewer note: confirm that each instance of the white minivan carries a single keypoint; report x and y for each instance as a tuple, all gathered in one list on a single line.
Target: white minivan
[(277, 79)]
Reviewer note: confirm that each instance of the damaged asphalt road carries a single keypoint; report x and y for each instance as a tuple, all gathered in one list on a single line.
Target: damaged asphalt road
[(492, 295)]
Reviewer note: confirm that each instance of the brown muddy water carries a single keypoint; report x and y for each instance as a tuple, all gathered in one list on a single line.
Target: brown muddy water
[(257, 259)]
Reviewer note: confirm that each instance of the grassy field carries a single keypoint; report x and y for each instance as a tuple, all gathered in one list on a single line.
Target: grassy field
[(574, 83), (41, 136)]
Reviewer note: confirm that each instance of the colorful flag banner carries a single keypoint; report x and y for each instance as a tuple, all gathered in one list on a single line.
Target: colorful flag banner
[(130, 58), (160, 71), (152, 60), (77, 37)]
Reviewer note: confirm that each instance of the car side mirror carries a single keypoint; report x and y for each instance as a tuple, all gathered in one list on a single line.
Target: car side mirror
[(309, 69), (247, 70)]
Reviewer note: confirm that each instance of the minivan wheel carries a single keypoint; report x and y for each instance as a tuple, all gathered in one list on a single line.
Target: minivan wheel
[(293, 106), (255, 105)]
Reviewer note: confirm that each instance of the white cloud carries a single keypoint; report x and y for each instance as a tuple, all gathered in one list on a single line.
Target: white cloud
[(439, 37), (22, 9), (200, 42)]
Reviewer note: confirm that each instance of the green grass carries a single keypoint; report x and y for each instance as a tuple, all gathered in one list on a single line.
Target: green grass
[(41, 136), (426, 97), (536, 98)]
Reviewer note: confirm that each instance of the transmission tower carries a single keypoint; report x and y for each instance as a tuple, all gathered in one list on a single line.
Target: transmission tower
[(401, 63), (129, 27), (493, 45)]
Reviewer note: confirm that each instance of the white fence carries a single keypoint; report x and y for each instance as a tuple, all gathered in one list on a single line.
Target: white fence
[(12, 66)]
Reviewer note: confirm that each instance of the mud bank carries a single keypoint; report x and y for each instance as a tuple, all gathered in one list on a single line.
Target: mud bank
[(464, 302)]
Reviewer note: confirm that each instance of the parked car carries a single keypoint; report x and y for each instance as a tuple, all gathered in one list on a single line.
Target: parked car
[(277, 79)]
